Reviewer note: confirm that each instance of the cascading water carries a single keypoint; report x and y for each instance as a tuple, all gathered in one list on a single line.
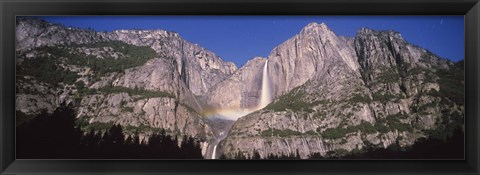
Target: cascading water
[(214, 152), (265, 93), (265, 99)]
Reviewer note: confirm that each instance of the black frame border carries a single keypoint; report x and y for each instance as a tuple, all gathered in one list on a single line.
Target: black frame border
[(10, 8)]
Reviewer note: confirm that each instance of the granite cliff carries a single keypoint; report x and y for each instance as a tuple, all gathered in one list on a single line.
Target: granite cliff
[(337, 95), (143, 79), (330, 95)]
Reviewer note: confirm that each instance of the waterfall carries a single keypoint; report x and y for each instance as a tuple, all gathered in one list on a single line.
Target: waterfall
[(214, 151), (234, 114), (265, 93)]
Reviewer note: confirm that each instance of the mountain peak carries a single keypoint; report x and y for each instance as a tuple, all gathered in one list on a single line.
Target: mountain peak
[(365, 30), (315, 27), (315, 24)]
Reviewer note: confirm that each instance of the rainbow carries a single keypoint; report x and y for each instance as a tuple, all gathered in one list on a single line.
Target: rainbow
[(234, 113)]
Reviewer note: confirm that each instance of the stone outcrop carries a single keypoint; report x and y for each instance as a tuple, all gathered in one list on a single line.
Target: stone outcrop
[(200, 68), (165, 88), (331, 94), (337, 95), (291, 64), (240, 90)]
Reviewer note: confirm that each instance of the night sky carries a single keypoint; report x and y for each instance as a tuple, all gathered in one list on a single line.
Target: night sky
[(240, 38)]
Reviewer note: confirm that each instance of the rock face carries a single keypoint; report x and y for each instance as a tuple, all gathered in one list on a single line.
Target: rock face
[(32, 33), (200, 69), (240, 90), (337, 95), (290, 65), (301, 57), (157, 92), (332, 95), (175, 112)]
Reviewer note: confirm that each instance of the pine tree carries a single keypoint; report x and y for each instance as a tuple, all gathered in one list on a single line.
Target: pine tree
[(129, 140), (116, 135), (256, 155)]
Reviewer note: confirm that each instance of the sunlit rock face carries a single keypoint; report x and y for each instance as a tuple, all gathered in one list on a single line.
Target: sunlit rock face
[(316, 93), (248, 90), (290, 64), (241, 90), (200, 68), (326, 65), (182, 70), (299, 58), (31, 33), (336, 95)]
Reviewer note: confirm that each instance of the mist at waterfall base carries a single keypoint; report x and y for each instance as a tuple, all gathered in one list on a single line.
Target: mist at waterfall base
[(233, 114)]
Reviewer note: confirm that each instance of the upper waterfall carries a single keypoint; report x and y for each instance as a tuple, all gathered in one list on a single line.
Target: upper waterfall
[(265, 96)]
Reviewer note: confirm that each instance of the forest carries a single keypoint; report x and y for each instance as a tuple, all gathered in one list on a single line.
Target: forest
[(56, 136)]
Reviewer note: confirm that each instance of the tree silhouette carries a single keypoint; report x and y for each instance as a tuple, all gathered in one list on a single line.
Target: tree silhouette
[(256, 155), (56, 136)]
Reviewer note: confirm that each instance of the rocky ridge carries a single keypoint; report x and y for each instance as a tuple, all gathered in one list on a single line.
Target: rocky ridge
[(337, 95), (156, 88), (333, 95)]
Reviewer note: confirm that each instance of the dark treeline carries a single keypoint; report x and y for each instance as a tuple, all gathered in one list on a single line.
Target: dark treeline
[(56, 136)]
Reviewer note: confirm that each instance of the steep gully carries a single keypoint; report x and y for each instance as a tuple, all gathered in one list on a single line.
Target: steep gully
[(265, 99)]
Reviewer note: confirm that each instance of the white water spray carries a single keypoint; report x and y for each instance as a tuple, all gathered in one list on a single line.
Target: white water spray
[(265, 93), (234, 114), (214, 152)]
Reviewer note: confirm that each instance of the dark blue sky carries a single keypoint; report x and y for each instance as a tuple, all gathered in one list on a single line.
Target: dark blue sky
[(240, 38)]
